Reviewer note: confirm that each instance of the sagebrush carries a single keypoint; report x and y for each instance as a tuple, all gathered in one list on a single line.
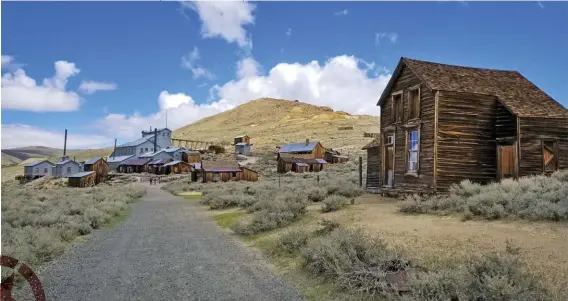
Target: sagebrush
[(538, 197), (40, 222)]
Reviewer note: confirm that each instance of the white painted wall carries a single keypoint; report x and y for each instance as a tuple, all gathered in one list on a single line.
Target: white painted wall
[(42, 169), (67, 169)]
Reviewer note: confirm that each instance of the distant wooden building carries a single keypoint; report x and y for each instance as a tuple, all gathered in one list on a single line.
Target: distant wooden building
[(133, 165), (176, 167), (155, 166), (334, 157), (115, 161), (82, 179), (299, 165), (441, 124), (372, 184), (38, 169), (99, 166), (307, 150), (193, 157), (224, 171), (242, 139)]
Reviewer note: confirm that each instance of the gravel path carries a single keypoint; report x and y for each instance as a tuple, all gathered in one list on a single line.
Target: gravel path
[(168, 249)]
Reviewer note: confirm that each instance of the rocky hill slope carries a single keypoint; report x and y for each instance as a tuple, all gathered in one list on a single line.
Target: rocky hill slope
[(273, 122)]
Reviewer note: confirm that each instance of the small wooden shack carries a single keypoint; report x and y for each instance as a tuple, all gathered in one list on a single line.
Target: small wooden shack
[(133, 165), (224, 171), (176, 167), (155, 166), (82, 179), (99, 166), (242, 139), (286, 164), (193, 156), (334, 157), (372, 184), (305, 150)]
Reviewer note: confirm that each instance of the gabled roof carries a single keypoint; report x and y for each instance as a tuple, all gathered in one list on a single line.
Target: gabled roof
[(63, 162), (81, 174), (302, 160), (517, 93), (241, 136), (175, 149), (175, 162), (152, 131), (222, 169), (374, 143), (92, 160), (37, 162), (224, 163), (138, 141), (117, 159), (241, 144), (136, 162), (298, 147)]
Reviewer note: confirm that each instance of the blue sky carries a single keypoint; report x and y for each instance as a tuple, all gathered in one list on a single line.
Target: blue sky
[(122, 64)]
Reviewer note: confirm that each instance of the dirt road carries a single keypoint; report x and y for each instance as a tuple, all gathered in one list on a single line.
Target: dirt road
[(168, 249)]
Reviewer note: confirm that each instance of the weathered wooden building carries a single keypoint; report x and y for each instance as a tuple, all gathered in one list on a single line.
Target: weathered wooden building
[(242, 139), (82, 179), (193, 157), (155, 166), (175, 167), (133, 165), (373, 148), (334, 157), (99, 166), (224, 171), (299, 165), (441, 124), (307, 150)]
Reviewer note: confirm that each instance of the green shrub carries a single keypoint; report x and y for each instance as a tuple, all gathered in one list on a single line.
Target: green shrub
[(292, 241), (494, 276), (354, 260), (40, 222), (334, 203), (316, 194), (534, 198)]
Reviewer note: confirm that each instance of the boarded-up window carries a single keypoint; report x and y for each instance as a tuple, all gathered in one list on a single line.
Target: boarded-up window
[(414, 103), (413, 148), (397, 107), (550, 156)]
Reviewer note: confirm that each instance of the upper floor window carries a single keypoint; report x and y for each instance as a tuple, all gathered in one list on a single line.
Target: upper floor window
[(146, 149), (413, 150), (397, 107), (414, 103), (141, 151), (68, 169)]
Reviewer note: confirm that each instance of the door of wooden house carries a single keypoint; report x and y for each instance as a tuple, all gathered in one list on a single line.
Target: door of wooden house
[(506, 161), (389, 166)]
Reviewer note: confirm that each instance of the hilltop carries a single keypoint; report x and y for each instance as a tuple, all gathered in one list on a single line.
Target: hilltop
[(273, 122)]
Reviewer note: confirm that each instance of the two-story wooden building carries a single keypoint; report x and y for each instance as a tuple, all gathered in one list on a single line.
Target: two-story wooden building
[(441, 124)]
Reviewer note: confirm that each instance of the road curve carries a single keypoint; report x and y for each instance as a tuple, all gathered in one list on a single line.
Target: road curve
[(168, 249)]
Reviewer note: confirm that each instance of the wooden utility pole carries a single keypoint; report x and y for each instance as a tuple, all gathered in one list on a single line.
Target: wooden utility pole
[(360, 171)]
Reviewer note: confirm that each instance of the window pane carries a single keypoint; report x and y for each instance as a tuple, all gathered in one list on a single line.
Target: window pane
[(413, 157)]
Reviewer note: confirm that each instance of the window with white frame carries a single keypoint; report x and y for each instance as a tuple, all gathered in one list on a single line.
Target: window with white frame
[(413, 150)]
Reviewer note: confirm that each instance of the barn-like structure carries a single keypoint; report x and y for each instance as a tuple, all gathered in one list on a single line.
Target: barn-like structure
[(441, 124)]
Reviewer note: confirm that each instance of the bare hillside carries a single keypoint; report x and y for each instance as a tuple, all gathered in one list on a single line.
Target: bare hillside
[(271, 122)]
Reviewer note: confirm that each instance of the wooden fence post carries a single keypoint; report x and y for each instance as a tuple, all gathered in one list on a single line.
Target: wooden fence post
[(360, 172)]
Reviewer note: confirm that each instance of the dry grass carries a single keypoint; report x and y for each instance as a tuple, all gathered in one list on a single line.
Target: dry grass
[(271, 122), (447, 241)]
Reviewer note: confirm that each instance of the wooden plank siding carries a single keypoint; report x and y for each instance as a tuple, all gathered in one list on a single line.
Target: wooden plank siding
[(101, 169), (466, 138), (535, 130), (403, 182), (505, 123), (373, 183), (248, 175)]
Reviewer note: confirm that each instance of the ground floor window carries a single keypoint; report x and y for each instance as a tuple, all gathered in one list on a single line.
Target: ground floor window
[(216, 176), (413, 150)]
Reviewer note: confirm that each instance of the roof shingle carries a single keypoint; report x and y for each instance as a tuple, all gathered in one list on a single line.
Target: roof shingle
[(516, 92)]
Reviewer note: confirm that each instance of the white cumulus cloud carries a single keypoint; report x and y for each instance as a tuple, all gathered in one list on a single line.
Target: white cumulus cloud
[(341, 83), (189, 61), (20, 135), (90, 87), (389, 36), (225, 19), (21, 92)]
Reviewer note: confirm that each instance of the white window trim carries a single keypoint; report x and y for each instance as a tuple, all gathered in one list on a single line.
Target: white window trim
[(407, 151)]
